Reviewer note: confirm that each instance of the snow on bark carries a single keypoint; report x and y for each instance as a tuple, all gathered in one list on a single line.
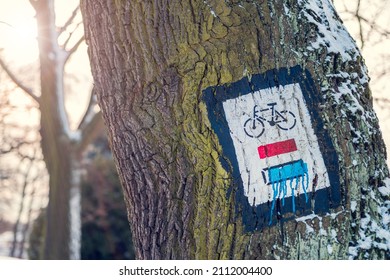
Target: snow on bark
[(211, 9), (60, 57), (331, 33), (75, 215), (385, 190), (372, 233), (345, 90), (335, 40)]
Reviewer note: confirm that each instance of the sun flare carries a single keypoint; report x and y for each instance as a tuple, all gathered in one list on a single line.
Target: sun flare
[(25, 33), (19, 41)]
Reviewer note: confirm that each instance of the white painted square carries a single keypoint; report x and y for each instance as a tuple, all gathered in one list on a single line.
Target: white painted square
[(288, 98)]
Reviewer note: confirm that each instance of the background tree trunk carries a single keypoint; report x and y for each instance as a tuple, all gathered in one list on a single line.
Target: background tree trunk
[(56, 147), (152, 62), (62, 145)]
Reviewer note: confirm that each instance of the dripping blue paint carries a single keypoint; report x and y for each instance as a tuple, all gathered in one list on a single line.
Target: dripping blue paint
[(282, 207), (294, 171)]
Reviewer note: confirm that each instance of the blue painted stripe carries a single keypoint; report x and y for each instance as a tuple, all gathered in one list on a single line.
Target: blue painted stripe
[(287, 171)]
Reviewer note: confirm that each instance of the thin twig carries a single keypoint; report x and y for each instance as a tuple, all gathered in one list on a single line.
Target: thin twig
[(18, 82), (357, 14), (382, 99), (69, 21), (75, 47), (90, 131), (86, 118), (70, 35)]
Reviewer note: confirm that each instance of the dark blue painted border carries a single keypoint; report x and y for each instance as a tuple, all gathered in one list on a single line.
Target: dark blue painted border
[(255, 218)]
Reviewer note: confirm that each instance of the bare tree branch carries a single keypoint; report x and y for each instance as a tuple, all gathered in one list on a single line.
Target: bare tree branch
[(90, 131), (91, 124), (364, 23), (89, 112), (26, 176), (70, 35), (357, 14), (373, 25), (18, 82), (3, 22), (69, 21), (14, 146), (30, 209), (75, 47), (382, 99)]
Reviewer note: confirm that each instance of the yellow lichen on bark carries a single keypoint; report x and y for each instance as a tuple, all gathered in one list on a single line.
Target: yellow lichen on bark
[(154, 66), (209, 62)]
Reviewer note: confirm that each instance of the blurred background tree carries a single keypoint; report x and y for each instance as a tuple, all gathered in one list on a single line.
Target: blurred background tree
[(105, 233), (24, 177), (62, 136)]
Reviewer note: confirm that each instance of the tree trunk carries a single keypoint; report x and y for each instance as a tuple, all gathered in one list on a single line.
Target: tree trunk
[(62, 147), (55, 145), (60, 150), (183, 85)]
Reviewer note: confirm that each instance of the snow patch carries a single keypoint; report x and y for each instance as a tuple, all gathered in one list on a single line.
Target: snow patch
[(322, 231), (353, 206), (353, 252), (309, 229), (372, 233), (286, 10), (330, 249), (75, 136), (211, 9), (384, 212), (333, 234), (344, 88), (385, 190), (75, 215), (308, 217), (331, 33)]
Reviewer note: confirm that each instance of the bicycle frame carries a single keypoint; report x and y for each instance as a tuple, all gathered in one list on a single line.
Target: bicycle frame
[(274, 113)]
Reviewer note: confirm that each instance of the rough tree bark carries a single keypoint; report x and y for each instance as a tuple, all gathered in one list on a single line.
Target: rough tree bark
[(153, 62)]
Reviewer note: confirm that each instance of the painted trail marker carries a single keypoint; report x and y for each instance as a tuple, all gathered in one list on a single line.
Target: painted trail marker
[(281, 157), (278, 148)]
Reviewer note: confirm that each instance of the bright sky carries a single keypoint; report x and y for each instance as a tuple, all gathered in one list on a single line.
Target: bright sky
[(18, 31), (19, 48)]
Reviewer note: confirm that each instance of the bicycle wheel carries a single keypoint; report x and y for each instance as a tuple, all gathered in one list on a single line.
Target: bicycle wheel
[(254, 128), (286, 120)]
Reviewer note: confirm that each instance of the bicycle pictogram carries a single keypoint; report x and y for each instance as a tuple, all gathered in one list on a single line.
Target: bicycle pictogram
[(254, 126)]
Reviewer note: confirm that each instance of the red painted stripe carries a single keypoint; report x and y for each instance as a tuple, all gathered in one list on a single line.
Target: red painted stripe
[(277, 148)]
